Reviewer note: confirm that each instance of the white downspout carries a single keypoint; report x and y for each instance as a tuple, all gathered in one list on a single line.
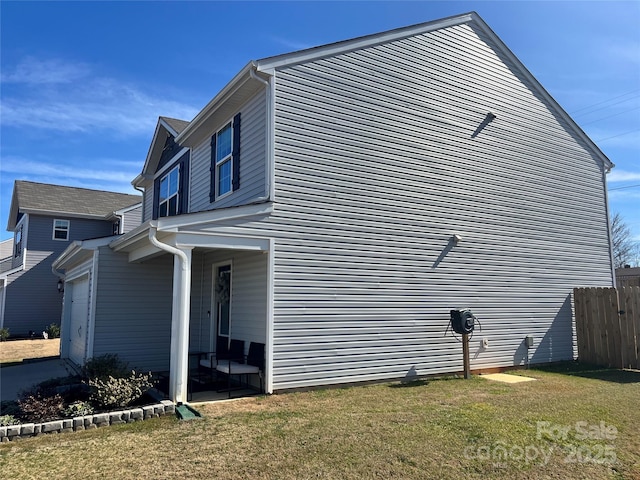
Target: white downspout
[(269, 147), (179, 364)]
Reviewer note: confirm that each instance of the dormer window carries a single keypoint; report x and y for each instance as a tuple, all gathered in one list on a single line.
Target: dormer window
[(170, 189), (169, 193), (17, 242), (61, 229)]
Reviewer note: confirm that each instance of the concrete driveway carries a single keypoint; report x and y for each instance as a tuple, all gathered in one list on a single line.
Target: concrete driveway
[(15, 378)]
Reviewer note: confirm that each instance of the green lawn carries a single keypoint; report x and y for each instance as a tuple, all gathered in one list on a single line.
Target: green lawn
[(449, 428)]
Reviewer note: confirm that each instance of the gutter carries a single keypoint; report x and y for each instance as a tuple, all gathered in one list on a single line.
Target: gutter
[(68, 252)]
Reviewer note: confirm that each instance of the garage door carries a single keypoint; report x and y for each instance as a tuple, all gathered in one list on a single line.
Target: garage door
[(79, 320)]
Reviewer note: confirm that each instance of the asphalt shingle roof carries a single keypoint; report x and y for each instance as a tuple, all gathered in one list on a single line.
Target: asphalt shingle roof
[(177, 125), (45, 197)]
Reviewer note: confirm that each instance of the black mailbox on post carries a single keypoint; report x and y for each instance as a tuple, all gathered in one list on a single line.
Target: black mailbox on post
[(462, 321)]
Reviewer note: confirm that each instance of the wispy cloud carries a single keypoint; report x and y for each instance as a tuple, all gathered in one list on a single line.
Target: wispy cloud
[(291, 44), (122, 172), (626, 53), (32, 71), (76, 100), (623, 176)]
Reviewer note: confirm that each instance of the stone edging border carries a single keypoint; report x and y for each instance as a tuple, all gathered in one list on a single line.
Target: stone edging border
[(87, 422)]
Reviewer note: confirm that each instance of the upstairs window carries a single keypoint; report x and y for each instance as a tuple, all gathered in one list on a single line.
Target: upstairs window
[(225, 160), (169, 193), (17, 242), (170, 189), (61, 229)]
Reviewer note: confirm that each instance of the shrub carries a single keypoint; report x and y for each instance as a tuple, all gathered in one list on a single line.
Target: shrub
[(6, 420), (53, 330), (38, 407), (115, 392), (105, 366), (4, 334), (78, 408)]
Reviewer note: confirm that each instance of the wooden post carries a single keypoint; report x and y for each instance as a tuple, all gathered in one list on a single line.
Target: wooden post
[(465, 356)]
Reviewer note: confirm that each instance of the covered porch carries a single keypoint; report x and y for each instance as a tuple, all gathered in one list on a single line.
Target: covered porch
[(220, 297)]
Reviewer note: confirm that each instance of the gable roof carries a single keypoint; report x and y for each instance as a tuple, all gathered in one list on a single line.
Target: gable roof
[(165, 127), (175, 124), (47, 199), (268, 65)]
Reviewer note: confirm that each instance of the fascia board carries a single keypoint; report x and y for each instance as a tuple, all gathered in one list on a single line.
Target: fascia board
[(123, 241), (345, 46), (77, 247), (213, 216), (241, 77), (53, 213), (608, 164)]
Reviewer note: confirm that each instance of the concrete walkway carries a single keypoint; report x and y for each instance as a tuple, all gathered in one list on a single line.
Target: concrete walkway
[(15, 378)]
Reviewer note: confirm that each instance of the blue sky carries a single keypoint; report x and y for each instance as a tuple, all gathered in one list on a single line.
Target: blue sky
[(82, 83)]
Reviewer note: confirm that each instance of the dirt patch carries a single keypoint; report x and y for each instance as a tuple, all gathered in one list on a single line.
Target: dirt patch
[(18, 350)]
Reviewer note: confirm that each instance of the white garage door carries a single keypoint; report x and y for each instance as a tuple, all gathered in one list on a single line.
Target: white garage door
[(79, 320)]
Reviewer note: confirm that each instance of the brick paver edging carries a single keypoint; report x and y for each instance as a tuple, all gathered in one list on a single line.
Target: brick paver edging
[(86, 422)]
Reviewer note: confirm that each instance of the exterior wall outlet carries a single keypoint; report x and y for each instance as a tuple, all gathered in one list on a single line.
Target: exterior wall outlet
[(485, 342)]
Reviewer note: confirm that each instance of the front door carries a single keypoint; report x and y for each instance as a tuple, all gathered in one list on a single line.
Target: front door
[(79, 320), (222, 305)]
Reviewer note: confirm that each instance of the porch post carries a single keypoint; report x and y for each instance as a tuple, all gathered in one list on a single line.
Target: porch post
[(179, 364)]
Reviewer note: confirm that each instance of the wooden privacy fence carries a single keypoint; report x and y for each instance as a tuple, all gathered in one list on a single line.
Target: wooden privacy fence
[(608, 326)]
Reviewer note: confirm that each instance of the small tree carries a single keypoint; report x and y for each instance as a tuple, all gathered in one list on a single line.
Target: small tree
[(624, 248)]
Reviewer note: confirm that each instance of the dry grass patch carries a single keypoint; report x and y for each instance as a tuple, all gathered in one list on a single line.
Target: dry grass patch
[(14, 351), (437, 429)]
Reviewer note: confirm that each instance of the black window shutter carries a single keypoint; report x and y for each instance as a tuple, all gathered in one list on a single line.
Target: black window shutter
[(236, 153), (156, 197), (184, 184), (212, 185)]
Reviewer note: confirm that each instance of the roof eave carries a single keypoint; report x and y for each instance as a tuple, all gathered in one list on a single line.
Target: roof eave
[(607, 164), (344, 46), (236, 82)]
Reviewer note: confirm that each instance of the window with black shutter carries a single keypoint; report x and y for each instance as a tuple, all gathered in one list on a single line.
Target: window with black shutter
[(225, 160), (170, 189)]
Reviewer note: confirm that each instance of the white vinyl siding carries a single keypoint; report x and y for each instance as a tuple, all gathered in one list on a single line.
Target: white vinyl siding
[(252, 162), (379, 161), (131, 219), (133, 310), (248, 301)]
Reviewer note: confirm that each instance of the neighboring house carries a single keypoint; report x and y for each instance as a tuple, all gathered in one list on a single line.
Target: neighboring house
[(45, 220), (628, 276), (6, 255), (335, 204)]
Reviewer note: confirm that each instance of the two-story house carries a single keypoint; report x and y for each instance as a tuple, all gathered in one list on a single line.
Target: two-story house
[(335, 203), (45, 220)]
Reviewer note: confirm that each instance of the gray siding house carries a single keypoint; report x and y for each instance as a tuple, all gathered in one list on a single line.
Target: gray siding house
[(45, 219), (335, 203)]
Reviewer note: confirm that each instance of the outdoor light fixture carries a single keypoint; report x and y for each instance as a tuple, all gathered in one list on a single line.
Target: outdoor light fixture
[(60, 286)]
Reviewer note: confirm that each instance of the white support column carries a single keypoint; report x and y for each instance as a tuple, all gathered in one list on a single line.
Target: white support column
[(179, 365)]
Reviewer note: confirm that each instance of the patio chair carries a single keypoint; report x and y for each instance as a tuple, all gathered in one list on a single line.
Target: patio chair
[(253, 364), (225, 350)]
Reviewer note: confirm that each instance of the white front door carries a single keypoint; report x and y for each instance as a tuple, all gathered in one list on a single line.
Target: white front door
[(79, 320)]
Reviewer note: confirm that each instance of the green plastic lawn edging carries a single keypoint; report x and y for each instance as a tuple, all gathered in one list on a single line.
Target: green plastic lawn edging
[(185, 412)]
